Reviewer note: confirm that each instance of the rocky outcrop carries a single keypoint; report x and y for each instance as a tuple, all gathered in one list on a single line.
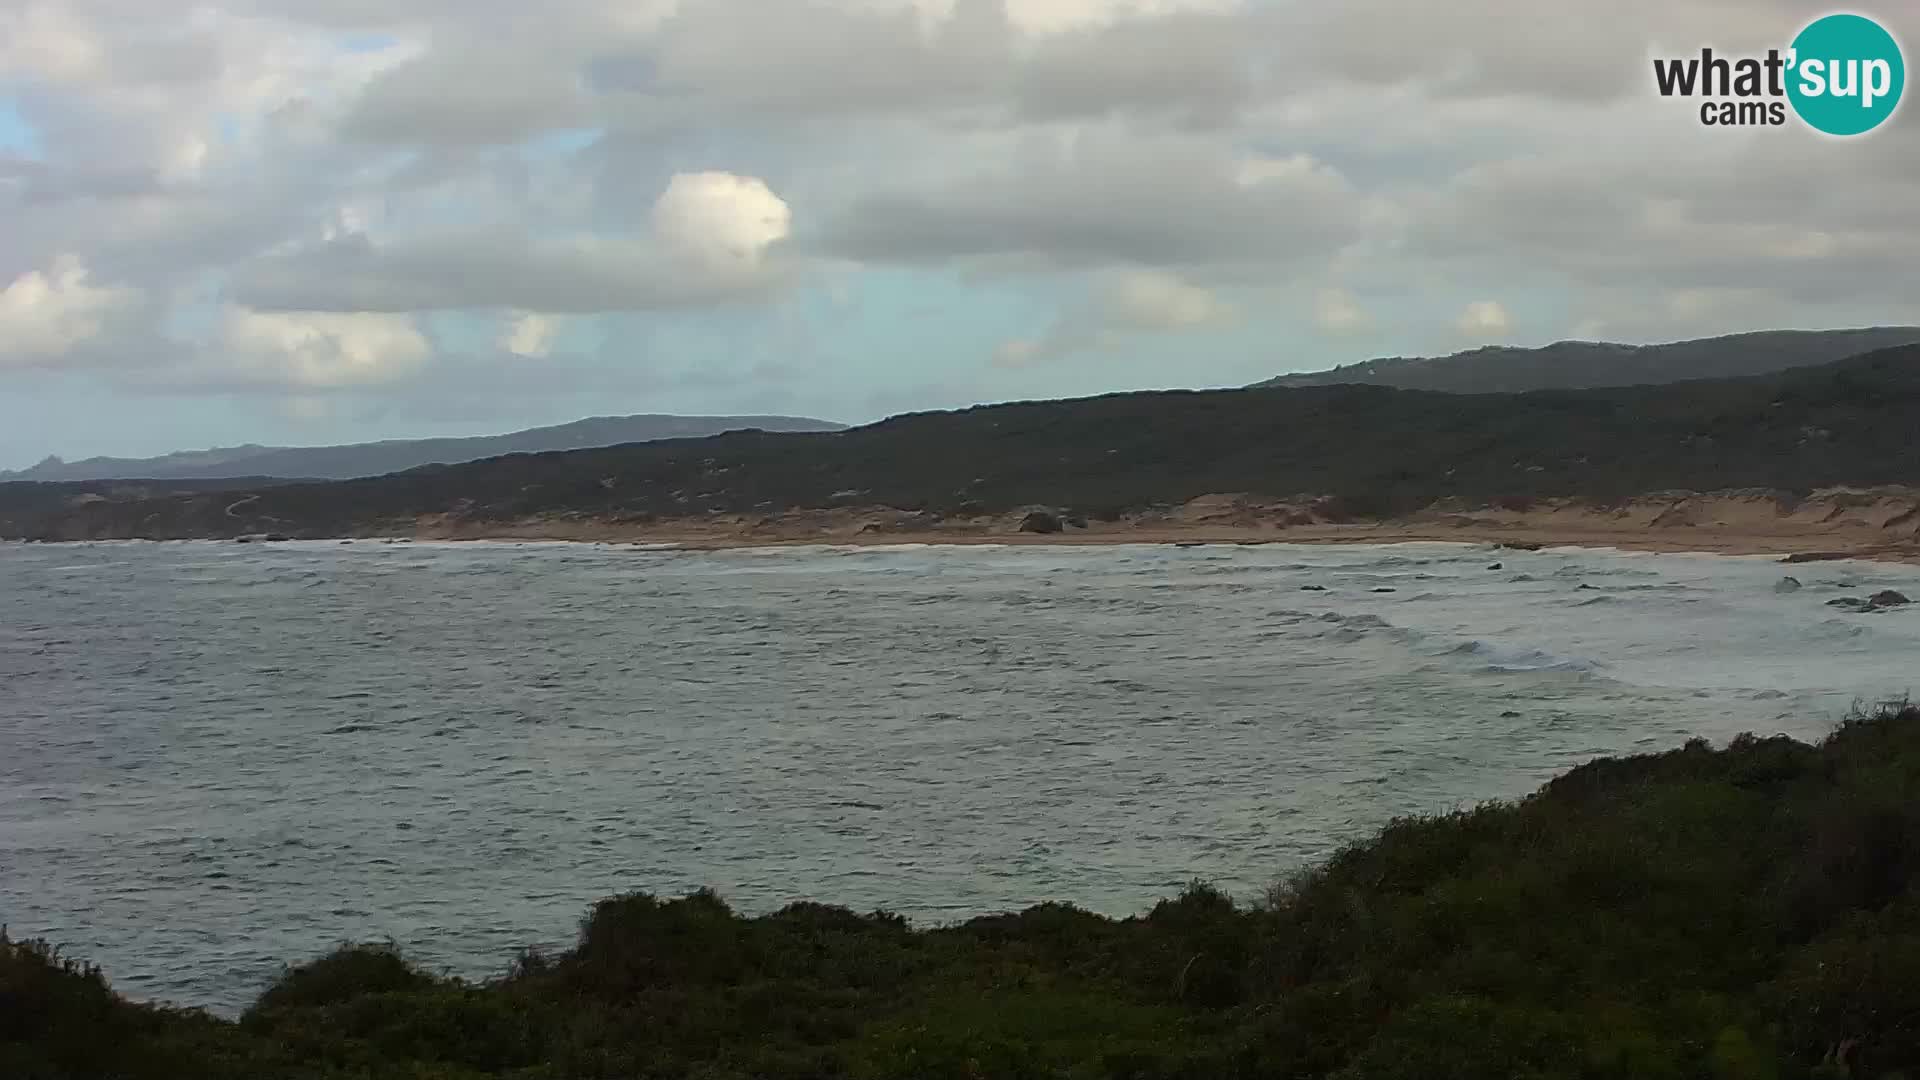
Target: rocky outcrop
[(1880, 601), (1041, 521)]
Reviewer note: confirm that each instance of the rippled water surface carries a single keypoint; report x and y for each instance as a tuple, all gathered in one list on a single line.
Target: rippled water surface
[(216, 757)]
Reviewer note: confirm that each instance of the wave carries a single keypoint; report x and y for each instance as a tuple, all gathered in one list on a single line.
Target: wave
[(1508, 659)]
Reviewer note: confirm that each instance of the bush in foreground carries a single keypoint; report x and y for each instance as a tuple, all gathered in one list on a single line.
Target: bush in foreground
[(1748, 912)]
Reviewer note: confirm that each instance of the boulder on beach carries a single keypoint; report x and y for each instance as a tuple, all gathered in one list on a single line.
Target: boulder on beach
[(1040, 521)]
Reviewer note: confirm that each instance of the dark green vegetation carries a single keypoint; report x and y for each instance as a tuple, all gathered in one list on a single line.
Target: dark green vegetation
[(1376, 451), (1572, 365), (22, 498), (393, 455), (1750, 912)]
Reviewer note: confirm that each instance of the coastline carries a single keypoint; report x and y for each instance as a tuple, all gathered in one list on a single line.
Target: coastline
[(1878, 525), (1838, 523)]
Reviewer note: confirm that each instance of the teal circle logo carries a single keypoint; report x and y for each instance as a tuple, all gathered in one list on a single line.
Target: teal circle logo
[(1846, 74)]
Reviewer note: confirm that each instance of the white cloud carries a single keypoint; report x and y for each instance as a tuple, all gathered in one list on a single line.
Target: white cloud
[(529, 334), (1338, 312), (47, 314), (720, 222), (1155, 300), (1125, 306), (712, 242), (1019, 352), (321, 350), (46, 40), (1484, 319)]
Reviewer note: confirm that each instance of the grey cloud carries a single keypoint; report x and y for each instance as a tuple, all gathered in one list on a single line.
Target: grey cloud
[(1768, 217), (1199, 67), (763, 65), (492, 96), (1569, 51), (1152, 201), (491, 268), (745, 56)]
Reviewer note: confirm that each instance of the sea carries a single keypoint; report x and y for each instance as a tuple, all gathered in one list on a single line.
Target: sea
[(218, 758)]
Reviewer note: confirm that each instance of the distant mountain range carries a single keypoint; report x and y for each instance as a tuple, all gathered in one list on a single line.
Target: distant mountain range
[(380, 458), (1576, 365)]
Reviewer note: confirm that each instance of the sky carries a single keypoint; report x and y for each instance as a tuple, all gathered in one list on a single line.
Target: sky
[(317, 221)]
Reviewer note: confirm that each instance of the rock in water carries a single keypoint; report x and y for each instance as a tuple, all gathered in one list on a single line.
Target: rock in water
[(1880, 601), (1787, 585)]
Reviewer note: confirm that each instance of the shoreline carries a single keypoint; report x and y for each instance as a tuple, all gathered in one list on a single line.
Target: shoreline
[(1816, 547), (1881, 524), (1786, 548)]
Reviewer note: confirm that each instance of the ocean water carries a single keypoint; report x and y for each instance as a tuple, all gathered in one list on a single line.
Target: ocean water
[(217, 757)]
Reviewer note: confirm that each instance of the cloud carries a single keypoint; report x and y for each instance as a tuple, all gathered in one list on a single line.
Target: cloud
[(1019, 352), (750, 63), (769, 65), (1197, 69), (529, 334), (46, 315), (1105, 197), (478, 173), (718, 222), (496, 94), (1485, 320), (711, 243), (1338, 312), (317, 350), (1151, 300), (1125, 305)]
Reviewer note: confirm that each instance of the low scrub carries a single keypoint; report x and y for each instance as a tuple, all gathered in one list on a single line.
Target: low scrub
[(1743, 912)]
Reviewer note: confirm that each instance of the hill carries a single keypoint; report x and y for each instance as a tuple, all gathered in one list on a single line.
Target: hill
[(376, 458), (1752, 911), (1573, 365), (1379, 451)]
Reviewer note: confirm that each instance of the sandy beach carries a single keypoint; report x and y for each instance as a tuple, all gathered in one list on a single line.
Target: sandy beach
[(1840, 523)]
